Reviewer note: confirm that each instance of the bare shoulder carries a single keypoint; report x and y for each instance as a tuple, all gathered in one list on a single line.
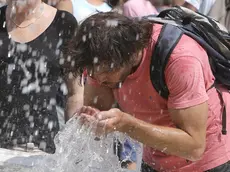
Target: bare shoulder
[(50, 8), (65, 5), (50, 12)]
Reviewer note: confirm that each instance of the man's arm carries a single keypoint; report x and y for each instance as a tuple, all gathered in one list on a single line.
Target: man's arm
[(65, 5), (75, 98), (186, 141)]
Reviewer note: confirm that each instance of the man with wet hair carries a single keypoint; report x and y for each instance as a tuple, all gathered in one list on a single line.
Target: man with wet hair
[(182, 133)]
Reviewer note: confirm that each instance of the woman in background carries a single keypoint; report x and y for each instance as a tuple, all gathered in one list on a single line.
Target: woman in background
[(2, 3), (32, 83), (85, 8), (81, 9), (65, 5), (217, 9)]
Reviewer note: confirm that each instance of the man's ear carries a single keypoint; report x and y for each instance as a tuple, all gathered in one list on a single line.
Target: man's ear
[(137, 58)]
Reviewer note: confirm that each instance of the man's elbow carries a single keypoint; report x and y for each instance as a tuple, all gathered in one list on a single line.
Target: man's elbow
[(197, 153), (73, 105)]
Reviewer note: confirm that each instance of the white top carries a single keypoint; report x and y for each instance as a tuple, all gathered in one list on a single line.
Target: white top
[(82, 9), (203, 6)]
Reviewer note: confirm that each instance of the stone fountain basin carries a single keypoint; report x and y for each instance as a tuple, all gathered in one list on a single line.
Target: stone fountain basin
[(14, 157), (17, 159)]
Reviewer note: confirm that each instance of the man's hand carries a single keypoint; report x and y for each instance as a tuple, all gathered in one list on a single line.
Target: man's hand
[(88, 110), (105, 121), (87, 115), (109, 121)]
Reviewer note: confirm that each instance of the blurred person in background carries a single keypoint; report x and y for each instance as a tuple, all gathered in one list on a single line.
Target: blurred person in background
[(138, 8), (65, 5), (32, 85), (165, 4), (202, 6), (133, 8), (177, 2), (85, 8), (162, 4), (217, 9), (116, 5), (81, 9), (2, 3)]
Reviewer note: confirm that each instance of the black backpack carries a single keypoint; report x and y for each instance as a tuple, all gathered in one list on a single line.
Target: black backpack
[(212, 36)]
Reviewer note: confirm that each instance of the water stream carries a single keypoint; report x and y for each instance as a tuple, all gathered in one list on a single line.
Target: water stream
[(76, 151)]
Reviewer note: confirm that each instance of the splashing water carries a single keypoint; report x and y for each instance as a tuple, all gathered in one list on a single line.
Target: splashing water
[(76, 151)]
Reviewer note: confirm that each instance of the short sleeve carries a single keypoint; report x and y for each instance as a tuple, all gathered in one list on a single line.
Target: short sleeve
[(185, 81), (68, 26), (128, 11)]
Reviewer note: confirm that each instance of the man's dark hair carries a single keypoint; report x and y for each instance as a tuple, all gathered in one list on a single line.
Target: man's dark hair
[(108, 38)]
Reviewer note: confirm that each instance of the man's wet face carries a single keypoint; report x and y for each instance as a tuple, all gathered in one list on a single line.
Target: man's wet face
[(112, 78)]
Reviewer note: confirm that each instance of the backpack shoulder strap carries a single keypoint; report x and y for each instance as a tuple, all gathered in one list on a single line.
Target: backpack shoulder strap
[(167, 41)]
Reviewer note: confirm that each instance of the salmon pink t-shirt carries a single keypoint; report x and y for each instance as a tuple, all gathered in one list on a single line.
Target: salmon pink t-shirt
[(188, 76)]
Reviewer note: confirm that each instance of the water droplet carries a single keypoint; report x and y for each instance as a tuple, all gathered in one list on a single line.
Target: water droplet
[(26, 107), (112, 65), (84, 38), (1, 42), (42, 145), (50, 125), (90, 35), (95, 60), (10, 97), (112, 23), (95, 100), (120, 85)]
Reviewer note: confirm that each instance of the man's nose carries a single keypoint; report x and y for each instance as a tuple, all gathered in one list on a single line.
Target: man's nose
[(100, 79)]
